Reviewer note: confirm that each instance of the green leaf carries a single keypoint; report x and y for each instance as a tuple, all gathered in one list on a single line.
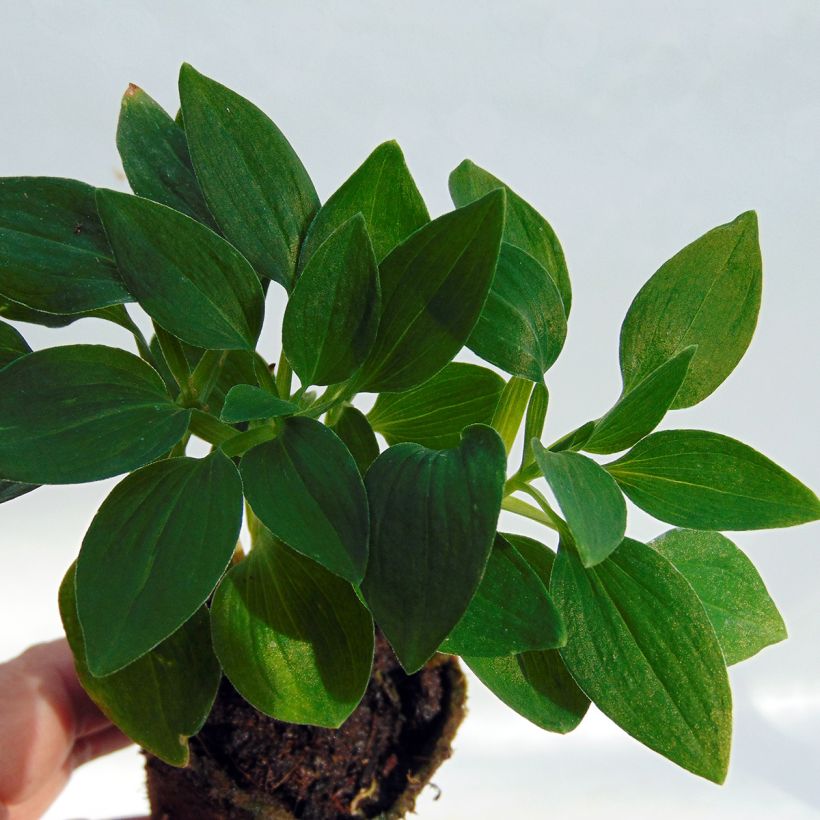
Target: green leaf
[(333, 313), (590, 500), (255, 186), (155, 156), (305, 487), (245, 402), (383, 191), (153, 554), (433, 515), (640, 645), (524, 227), (293, 638), (510, 410), (12, 344), (707, 295), (163, 698), (534, 421), (708, 481), (731, 590), (9, 490), (435, 413), (81, 413), (434, 286), (54, 256), (574, 440), (510, 612), (188, 279), (16, 312), (522, 327), (353, 428), (639, 411)]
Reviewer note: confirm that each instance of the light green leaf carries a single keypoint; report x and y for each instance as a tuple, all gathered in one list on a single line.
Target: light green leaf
[(524, 227), (12, 344), (707, 295), (353, 428), (639, 411), (435, 413), (333, 313), (433, 515), (383, 191), (590, 500), (708, 481), (163, 698), (244, 402), (54, 256), (188, 279), (255, 185), (305, 487), (640, 645), (434, 286), (510, 612), (293, 638), (153, 554), (534, 421), (510, 410), (731, 590), (81, 413)]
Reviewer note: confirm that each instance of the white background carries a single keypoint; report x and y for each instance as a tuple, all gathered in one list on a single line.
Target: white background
[(634, 127)]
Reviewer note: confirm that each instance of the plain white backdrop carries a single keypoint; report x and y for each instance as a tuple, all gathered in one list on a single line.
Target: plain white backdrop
[(634, 127)]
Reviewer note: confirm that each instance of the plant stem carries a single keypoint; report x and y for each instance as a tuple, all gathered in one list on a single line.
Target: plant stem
[(211, 429), (124, 320), (174, 357), (263, 375), (510, 410), (557, 523), (203, 379), (519, 507), (283, 376), (241, 443)]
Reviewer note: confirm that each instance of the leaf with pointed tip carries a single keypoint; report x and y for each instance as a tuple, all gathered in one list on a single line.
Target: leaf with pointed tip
[(332, 315), (707, 481), (81, 413), (590, 500), (639, 411), (305, 487), (154, 552), (12, 344), (731, 590), (155, 157), (640, 645), (244, 402), (293, 638), (524, 227), (433, 515), (186, 277), (163, 698), (353, 428), (574, 440), (256, 187), (707, 295), (9, 490), (54, 256), (510, 612), (435, 413), (434, 286), (382, 190)]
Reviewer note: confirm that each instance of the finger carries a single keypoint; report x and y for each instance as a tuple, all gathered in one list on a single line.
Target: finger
[(90, 747)]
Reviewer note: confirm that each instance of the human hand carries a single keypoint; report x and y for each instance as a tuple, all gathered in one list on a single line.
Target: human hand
[(48, 727)]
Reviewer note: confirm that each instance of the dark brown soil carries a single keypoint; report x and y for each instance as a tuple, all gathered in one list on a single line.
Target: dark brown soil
[(245, 764)]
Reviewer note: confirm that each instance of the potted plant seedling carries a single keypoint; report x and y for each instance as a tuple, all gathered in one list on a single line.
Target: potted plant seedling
[(313, 673)]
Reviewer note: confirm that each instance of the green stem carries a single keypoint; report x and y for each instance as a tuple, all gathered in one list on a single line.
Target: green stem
[(174, 357), (510, 410), (241, 443), (263, 375), (283, 376), (203, 379), (331, 397), (211, 429), (180, 447), (124, 320), (558, 523), (519, 507)]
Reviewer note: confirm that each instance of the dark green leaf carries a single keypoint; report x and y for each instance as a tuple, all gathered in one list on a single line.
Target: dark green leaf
[(293, 638), (305, 487), (54, 256), (434, 286), (255, 186), (707, 481), (522, 327), (534, 422), (188, 279), (353, 428), (163, 698), (153, 554), (9, 490), (433, 515), (731, 590), (510, 410), (12, 345), (524, 227), (510, 612), (383, 191), (245, 402), (155, 156), (707, 295), (435, 413), (81, 413), (333, 313), (592, 504), (20, 313), (639, 411), (640, 645)]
